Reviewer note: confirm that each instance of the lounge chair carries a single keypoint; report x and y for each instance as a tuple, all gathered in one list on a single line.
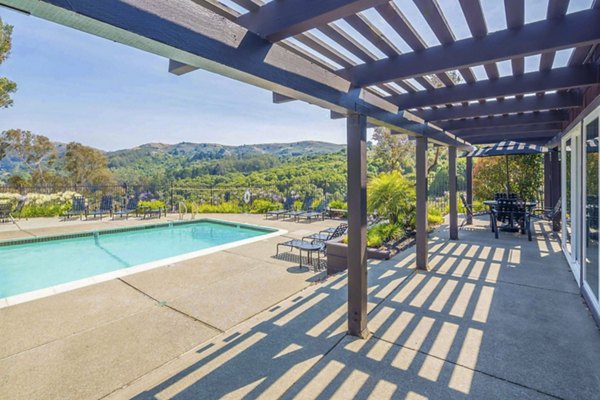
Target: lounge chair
[(287, 206), (130, 208), (5, 210), (319, 213), (78, 208), (106, 207), (327, 234), (152, 212), (295, 214)]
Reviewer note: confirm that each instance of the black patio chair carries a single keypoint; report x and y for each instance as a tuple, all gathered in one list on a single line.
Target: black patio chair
[(306, 207), (78, 208), (5, 210), (550, 214), (328, 234), (130, 208), (318, 213), (287, 207), (515, 212), (106, 208), (468, 209)]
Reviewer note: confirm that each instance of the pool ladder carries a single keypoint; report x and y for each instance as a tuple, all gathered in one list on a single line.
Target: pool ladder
[(183, 210)]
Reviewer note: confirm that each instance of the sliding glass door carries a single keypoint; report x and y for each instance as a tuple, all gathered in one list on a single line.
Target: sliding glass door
[(571, 198), (591, 167)]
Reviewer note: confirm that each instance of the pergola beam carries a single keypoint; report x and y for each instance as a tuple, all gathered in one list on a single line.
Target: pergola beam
[(533, 38), (508, 120), (190, 34), (535, 139), (468, 133), (279, 20), (556, 79), (529, 103)]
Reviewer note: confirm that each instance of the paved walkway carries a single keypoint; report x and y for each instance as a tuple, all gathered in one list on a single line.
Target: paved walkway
[(493, 319)]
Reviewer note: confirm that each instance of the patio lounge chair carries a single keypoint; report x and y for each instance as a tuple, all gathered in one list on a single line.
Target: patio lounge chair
[(106, 207), (327, 234), (130, 208), (78, 208), (295, 214), (287, 206), (5, 210), (319, 213), (152, 212)]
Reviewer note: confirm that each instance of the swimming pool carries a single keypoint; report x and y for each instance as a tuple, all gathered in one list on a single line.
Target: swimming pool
[(37, 267)]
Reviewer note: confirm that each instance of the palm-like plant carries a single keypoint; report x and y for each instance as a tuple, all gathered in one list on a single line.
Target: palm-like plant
[(393, 196)]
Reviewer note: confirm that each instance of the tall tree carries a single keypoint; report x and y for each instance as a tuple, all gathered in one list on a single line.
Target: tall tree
[(392, 152), (35, 152), (86, 165), (7, 87)]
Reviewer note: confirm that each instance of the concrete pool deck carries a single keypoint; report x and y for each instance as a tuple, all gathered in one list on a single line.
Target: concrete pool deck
[(492, 319)]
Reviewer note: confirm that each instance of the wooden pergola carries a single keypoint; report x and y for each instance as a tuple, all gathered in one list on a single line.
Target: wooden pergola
[(342, 56)]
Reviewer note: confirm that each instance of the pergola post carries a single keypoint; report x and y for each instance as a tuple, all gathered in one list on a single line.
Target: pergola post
[(469, 172), (357, 225), (421, 167), (452, 190)]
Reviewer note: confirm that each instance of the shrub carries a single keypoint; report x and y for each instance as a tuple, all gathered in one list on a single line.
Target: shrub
[(41, 205), (381, 233), (338, 204), (434, 217), (152, 204), (223, 208), (394, 198), (261, 206), (297, 205)]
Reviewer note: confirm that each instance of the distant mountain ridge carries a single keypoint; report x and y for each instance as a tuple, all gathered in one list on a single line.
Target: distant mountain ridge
[(198, 152), (212, 151)]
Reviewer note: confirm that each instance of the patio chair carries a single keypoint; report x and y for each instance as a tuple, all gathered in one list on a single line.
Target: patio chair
[(148, 212), (550, 214), (17, 211), (306, 205), (318, 213), (327, 234), (130, 208), (468, 209), (287, 206), (78, 208), (5, 210), (515, 211), (106, 207)]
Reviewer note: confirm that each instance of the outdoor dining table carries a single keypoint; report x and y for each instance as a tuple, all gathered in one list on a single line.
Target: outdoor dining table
[(530, 205)]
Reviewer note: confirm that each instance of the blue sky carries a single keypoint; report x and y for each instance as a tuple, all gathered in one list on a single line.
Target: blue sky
[(77, 87)]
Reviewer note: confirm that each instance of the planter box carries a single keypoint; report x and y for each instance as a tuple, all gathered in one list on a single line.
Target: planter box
[(337, 255)]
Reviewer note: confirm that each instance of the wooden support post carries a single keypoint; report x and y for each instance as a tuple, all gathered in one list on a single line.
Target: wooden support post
[(469, 173), (421, 166), (452, 190), (555, 189), (357, 225)]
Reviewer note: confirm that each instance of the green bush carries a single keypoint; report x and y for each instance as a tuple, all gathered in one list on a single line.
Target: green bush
[(261, 206), (297, 205), (223, 208), (338, 204), (380, 234), (394, 198), (152, 204), (434, 217)]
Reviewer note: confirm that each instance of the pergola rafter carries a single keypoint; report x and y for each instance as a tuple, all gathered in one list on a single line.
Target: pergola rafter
[(508, 120)]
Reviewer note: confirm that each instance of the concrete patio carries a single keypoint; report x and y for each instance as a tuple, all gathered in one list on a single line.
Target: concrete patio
[(493, 319)]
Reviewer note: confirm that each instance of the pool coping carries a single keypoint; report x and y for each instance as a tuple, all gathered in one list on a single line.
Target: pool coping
[(92, 280)]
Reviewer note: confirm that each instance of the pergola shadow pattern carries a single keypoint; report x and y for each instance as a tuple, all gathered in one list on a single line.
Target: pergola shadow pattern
[(484, 324)]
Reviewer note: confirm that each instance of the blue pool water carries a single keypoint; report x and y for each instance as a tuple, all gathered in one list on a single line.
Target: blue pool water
[(38, 265)]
